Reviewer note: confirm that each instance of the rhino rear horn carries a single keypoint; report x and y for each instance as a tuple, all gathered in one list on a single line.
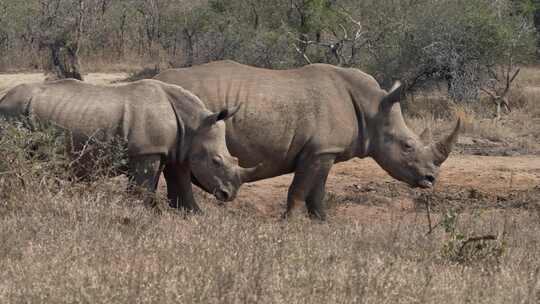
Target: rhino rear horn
[(443, 148), (393, 96)]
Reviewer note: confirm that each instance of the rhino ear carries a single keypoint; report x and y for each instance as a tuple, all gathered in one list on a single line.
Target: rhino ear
[(393, 96), (221, 115), (228, 113), (426, 136)]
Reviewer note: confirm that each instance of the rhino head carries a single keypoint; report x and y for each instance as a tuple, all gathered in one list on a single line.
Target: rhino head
[(213, 167), (406, 156)]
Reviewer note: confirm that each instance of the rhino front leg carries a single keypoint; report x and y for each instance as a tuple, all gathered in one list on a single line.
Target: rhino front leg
[(308, 185), (143, 173), (179, 189), (315, 200)]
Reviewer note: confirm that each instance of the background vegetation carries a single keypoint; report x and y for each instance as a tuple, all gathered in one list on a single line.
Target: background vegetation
[(416, 41)]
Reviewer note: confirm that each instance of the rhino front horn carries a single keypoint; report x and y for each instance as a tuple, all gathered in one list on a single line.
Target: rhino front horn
[(249, 174), (443, 148)]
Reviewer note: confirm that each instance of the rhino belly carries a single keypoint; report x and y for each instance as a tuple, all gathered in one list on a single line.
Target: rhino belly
[(267, 135), (277, 155)]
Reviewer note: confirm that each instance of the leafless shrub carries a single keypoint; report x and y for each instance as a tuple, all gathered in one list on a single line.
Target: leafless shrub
[(47, 153), (497, 94)]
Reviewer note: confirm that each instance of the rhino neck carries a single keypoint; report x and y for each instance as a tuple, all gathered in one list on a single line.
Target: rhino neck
[(189, 111), (365, 94), (361, 146), (366, 99), (180, 150)]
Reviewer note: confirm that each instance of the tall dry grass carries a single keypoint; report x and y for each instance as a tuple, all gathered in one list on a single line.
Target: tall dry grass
[(516, 132), (69, 242)]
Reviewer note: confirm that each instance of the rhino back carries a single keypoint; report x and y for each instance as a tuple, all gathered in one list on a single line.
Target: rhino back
[(14, 102), (282, 114), (138, 113)]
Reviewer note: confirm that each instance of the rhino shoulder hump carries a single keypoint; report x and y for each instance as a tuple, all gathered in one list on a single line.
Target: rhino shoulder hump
[(149, 82), (322, 66), (147, 87), (364, 76)]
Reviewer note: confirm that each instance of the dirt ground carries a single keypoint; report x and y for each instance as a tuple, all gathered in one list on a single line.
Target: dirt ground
[(361, 190)]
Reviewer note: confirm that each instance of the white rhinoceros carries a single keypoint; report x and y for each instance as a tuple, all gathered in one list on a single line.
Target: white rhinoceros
[(165, 127), (305, 120)]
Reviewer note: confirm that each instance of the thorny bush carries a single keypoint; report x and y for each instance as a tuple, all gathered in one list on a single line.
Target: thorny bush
[(39, 154)]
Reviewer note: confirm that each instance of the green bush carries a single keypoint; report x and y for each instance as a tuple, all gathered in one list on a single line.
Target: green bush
[(455, 41)]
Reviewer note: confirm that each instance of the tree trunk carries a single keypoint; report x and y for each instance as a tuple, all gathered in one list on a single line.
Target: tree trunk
[(64, 49), (189, 47), (63, 63)]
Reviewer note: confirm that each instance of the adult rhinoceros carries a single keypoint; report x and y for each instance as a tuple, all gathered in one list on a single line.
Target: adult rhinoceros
[(164, 127), (305, 120)]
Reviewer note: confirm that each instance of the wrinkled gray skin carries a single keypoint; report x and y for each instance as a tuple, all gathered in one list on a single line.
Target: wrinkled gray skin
[(165, 127), (305, 120)]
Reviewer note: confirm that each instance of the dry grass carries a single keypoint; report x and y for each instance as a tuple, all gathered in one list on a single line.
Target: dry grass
[(100, 246), (66, 242), (528, 77), (516, 132)]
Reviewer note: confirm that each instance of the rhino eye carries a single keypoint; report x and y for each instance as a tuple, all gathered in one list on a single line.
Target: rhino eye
[(407, 147), (216, 160)]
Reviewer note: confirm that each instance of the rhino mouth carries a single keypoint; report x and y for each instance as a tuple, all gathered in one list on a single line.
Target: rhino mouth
[(219, 193), (426, 182), (222, 195)]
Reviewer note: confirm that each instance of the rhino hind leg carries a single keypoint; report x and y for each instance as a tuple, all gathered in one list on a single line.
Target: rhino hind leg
[(308, 185), (143, 174), (179, 188)]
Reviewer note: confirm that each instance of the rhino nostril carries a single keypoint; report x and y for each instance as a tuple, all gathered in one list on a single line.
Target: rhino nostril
[(430, 178), (223, 195)]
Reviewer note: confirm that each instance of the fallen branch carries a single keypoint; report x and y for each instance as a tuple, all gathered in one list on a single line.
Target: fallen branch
[(488, 237), (428, 210)]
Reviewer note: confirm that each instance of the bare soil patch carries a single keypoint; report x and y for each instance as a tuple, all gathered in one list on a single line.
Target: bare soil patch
[(361, 189)]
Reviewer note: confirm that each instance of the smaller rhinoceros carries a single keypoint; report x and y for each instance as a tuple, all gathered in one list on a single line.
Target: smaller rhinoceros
[(165, 128)]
